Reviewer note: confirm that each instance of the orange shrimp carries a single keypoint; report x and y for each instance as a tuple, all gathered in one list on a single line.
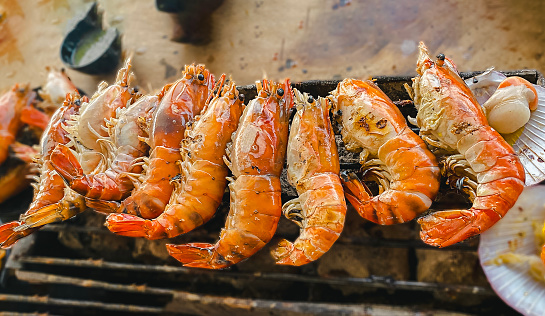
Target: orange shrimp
[(202, 183), (180, 102), (450, 119), (257, 157), (391, 154), (16, 109), (313, 168), (124, 146), (51, 202)]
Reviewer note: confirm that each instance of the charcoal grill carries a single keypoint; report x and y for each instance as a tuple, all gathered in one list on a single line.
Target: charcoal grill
[(80, 268)]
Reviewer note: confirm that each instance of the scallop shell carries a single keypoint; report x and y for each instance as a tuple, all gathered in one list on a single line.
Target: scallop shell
[(515, 234), (529, 141)]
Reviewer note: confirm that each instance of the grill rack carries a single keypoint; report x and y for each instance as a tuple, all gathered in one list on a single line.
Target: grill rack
[(41, 275)]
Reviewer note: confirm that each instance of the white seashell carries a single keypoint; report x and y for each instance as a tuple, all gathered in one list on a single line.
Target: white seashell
[(530, 144), (514, 237), (484, 85)]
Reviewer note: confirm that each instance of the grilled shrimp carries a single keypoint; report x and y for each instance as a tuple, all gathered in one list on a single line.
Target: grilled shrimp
[(257, 157), (125, 147), (51, 202), (16, 109), (391, 154), (201, 185), (313, 168), (88, 128), (451, 120), (180, 102)]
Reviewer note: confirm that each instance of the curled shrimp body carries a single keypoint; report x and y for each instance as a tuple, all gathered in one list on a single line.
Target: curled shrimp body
[(125, 147), (180, 102), (51, 202), (391, 154), (88, 128), (201, 185), (257, 157), (451, 120), (313, 168)]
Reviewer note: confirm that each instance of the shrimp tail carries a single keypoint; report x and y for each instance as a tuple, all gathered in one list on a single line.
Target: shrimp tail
[(8, 235), (66, 164), (457, 224), (53, 213), (103, 206), (132, 226), (197, 255), (34, 117), (358, 195)]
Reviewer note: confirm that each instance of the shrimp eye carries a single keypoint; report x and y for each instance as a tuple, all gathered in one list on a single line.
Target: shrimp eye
[(200, 77), (280, 92), (241, 97), (441, 56), (310, 99)]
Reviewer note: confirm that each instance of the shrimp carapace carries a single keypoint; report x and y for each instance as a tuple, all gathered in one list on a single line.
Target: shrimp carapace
[(391, 154), (313, 169)]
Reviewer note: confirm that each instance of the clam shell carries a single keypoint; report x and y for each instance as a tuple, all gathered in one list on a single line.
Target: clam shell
[(515, 234), (529, 141)]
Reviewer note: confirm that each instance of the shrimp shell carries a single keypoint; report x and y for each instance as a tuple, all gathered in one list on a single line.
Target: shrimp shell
[(450, 118), (180, 103), (202, 183), (313, 168), (390, 153), (52, 201)]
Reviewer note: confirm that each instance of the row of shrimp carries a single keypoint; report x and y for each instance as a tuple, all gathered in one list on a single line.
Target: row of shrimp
[(159, 164)]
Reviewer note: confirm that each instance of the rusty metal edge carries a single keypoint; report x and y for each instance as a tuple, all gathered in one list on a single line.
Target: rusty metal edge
[(187, 302)]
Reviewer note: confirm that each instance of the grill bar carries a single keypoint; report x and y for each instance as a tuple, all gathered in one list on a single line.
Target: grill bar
[(372, 282), (45, 300), (213, 305)]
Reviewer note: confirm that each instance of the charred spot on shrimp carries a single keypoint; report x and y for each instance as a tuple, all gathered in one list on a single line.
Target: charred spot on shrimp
[(362, 122), (462, 127), (381, 123)]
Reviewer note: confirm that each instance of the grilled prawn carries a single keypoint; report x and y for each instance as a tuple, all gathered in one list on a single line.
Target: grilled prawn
[(313, 168), (87, 129), (124, 149), (257, 157), (391, 154), (180, 102), (201, 185), (52, 201), (451, 120)]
